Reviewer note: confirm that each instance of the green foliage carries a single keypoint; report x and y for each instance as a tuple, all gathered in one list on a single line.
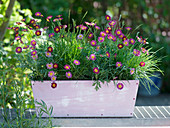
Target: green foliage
[(10, 72), (19, 102), (153, 15), (67, 49), (17, 14)]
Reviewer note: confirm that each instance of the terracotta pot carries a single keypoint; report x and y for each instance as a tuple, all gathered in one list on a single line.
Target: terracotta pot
[(80, 99)]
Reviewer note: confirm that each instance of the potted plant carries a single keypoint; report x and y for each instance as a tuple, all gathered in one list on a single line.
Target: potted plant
[(84, 70)]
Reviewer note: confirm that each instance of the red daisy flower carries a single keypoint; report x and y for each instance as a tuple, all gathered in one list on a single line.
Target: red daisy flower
[(50, 49), (57, 29), (53, 85), (55, 65), (38, 32)]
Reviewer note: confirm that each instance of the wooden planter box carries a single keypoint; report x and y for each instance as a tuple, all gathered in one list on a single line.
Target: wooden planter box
[(80, 99)]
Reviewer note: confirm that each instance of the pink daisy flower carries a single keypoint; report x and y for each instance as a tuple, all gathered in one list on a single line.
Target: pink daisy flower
[(132, 41), (83, 27), (118, 64), (51, 74), (121, 36), (124, 38), (38, 14), (51, 35), (80, 36), (68, 74), (128, 28), (143, 50), (33, 53), (97, 47), (107, 31), (136, 52), (109, 28), (67, 67), (112, 23), (132, 70), (32, 48), (102, 34), (126, 42), (25, 47), (110, 36), (100, 39), (76, 62), (33, 42), (17, 38), (97, 27), (48, 54), (114, 38), (87, 23), (93, 43), (32, 21), (34, 56), (92, 57), (90, 35), (18, 50), (49, 66), (37, 26), (96, 70), (118, 32), (53, 78), (108, 54)]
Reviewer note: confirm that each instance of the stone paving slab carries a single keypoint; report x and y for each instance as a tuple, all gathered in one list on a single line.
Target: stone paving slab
[(143, 116)]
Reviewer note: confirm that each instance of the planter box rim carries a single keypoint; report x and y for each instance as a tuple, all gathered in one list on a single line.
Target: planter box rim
[(79, 80)]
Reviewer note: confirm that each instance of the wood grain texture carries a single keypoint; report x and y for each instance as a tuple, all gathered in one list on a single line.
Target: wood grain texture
[(80, 99)]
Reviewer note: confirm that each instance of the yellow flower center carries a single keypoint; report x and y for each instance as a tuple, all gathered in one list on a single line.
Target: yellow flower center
[(108, 18), (68, 74), (120, 46), (56, 29), (119, 86), (53, 78), (19, 50), (92, 57), (53, 85), (118, 65), (51, 74), (96, 70), (118, 32), (100, 38)]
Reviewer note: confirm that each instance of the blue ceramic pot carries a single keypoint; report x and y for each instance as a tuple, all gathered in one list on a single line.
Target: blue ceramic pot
[(154, 91)]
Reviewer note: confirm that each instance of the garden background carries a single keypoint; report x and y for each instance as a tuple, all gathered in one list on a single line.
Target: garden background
[(152, 16)]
